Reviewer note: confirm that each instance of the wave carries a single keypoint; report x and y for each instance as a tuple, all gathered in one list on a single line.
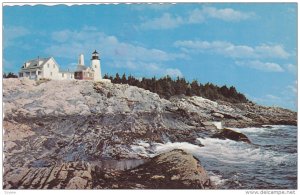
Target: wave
[(231, 164), (228, 151), (263, 129), (217, 180), (251, 130), (189, 148)]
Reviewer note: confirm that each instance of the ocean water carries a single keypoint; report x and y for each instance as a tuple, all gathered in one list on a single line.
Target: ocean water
[(270, 162)]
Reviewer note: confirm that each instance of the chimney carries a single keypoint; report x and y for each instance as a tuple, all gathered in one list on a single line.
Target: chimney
[(81, 60), (38, 61)]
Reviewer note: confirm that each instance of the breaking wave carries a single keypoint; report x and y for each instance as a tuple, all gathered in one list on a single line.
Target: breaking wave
[(266, 163)]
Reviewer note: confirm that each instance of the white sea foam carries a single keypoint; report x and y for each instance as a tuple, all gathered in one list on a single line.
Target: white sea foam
[(229, 151), (189, 148), (250, 130), (226, 151), (143, 143), (277, 126), (140, 150), (265, 128), (217, 180), (224, 159)]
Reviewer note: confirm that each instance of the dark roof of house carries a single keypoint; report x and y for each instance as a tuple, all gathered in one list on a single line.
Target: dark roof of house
[(81, 68), (39, 62)]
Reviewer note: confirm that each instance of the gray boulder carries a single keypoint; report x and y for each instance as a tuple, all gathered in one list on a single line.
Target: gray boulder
[(231, 134)]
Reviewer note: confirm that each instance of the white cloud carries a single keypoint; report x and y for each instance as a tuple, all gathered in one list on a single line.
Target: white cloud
[(69, 44), (264, 66), (11, 33), (148, 68), (61, 36), (285, 97), (7, 64), (288, 100), (166, 21), (291, 10), (149, 61), (293, 87), (196, 16), (245, 55), (292, 68), (233, 51), (159, 70), (152, 6), (272, 97), (271, 51), (226, 14), (173, 72), (269, 100)]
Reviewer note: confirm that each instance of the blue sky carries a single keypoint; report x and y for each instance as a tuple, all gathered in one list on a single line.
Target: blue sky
[(250, 46)]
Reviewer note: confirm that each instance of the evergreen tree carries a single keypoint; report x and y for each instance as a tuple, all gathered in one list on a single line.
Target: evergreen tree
[(117, 79), (224, 91), (10, 75), (105, 76), (159, 89), (124, 79), (188, 90), (166, 87), (180, 86), (195, 88)]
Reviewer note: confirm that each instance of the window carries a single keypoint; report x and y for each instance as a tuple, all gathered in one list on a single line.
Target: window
[(53, 65), (51, 73), (63, 74), (39, 72), (48, 65), (21, 74), (95, 66)]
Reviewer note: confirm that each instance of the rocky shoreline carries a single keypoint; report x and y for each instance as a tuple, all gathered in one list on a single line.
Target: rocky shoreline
[(172, 170), (54, 126)]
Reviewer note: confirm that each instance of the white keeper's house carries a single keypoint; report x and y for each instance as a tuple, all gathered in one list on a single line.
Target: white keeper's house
[(48, 68)]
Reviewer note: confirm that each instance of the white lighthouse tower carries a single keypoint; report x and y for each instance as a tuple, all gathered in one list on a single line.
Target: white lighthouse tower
[(95, 65)]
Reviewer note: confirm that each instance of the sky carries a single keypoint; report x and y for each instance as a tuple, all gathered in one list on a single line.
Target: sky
[(252, 46)]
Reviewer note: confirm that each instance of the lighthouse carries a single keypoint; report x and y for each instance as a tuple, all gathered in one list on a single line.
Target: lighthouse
[(95, 65)]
